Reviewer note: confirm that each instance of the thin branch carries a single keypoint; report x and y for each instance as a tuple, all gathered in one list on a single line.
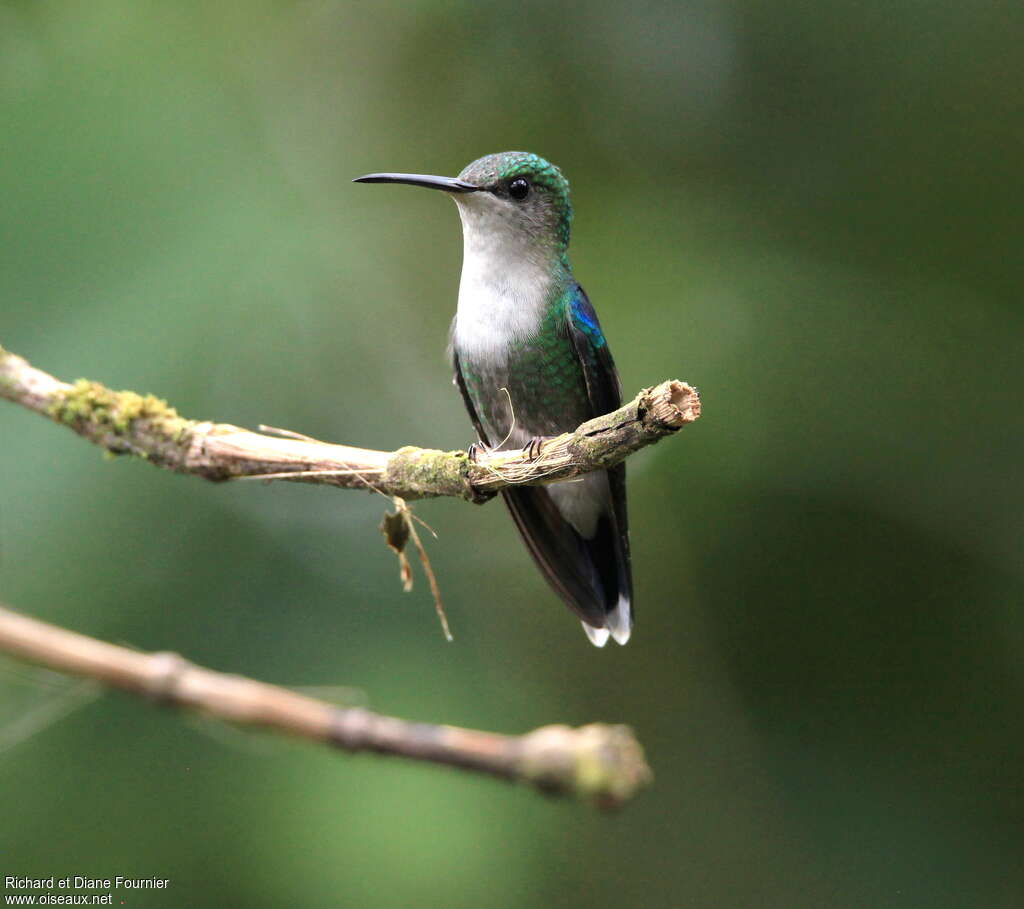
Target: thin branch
[(598, 762), (124, 422)]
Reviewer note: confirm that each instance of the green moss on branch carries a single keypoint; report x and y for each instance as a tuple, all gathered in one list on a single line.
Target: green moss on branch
[(426, 472), (123, 422)]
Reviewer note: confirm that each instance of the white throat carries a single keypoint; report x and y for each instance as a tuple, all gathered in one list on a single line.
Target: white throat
[(506, 280)]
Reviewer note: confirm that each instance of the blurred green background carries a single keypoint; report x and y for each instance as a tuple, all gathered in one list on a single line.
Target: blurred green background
[(811, 211)]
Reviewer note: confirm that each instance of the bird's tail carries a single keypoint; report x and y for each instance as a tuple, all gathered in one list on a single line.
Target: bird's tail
[(590, 572)]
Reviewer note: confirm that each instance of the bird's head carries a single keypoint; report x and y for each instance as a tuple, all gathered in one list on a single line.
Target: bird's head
[(509, 199)]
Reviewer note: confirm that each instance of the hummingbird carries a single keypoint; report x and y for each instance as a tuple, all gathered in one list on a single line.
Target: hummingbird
[(530, 360)]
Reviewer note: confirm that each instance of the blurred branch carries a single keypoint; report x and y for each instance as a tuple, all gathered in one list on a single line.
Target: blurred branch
[(598, 762), (124, 422)]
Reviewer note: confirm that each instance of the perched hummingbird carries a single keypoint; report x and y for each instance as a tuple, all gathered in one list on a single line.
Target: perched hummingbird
[(531, 360)]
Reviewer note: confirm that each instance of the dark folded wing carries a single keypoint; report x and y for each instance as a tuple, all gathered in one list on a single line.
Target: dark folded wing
[(605, 395)]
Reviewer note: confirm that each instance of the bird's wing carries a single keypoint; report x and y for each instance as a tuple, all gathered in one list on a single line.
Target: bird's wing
[(598, 366), (605, 395)]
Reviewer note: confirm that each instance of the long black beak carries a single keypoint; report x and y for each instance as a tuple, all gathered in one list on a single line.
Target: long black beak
[(448, 184)]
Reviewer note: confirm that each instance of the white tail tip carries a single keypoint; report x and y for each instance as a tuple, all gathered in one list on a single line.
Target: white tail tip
[(620, 621)]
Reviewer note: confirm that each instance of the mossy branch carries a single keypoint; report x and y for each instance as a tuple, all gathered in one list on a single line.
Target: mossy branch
[(601, 763), (124, 422)]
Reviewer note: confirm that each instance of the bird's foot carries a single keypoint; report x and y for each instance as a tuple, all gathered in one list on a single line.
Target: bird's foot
[(533, 447), (476, 449)]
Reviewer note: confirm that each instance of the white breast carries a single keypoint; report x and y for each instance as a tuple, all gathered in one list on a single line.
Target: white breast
[(505, 281)]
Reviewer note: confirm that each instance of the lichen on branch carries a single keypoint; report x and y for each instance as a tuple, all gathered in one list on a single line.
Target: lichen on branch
[(125, 422)]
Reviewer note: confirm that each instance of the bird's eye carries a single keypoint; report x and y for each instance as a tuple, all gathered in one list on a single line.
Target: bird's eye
[(519, 189)]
